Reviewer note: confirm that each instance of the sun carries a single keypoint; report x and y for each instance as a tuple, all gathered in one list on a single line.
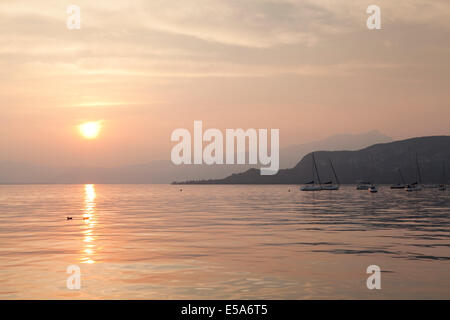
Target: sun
[(90, 130)]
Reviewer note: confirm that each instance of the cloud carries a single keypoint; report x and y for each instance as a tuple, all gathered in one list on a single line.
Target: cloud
[(142, 50)]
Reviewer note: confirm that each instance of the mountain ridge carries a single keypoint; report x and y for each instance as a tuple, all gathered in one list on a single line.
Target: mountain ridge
[(164, 171), (378, 163)]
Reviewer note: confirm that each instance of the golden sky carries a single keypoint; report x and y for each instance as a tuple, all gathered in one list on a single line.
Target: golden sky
[(145, 68)]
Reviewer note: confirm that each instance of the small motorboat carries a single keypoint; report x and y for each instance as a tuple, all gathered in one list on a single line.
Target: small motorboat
[(373, 189)]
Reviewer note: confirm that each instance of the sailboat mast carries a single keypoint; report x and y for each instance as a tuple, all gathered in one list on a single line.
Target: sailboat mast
[(419, 177), (401, 175), (315, 167), (443, 172), (334, 172)]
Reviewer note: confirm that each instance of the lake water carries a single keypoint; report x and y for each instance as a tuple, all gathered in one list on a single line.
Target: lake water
[(222, 242)]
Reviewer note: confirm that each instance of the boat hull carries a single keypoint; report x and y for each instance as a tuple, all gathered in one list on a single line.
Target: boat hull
[(413, 188), (431, 186), (330, 187), (311, 188), (399, 186)]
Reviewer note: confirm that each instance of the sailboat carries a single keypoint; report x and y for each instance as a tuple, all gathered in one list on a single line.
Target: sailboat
[(312, 186), (416, 186), (329, 185), (443, 187), (363, 185), (401, 184), (373, 187), (367, 185), (413, 187)]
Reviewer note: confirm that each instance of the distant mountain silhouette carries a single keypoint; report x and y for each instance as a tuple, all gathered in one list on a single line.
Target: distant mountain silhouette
[(378, 163), (164, 171), (154, 172), (290, 156)]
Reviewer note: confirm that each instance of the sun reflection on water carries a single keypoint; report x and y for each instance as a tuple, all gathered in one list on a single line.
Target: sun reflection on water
[(89, 224)]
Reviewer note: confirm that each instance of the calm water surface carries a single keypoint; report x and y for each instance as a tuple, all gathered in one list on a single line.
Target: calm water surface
[(222, 242)]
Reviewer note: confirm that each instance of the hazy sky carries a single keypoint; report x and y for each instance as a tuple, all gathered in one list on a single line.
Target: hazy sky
[(145, 68)]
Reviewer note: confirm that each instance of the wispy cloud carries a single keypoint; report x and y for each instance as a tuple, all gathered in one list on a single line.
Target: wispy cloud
[(177, 59)]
